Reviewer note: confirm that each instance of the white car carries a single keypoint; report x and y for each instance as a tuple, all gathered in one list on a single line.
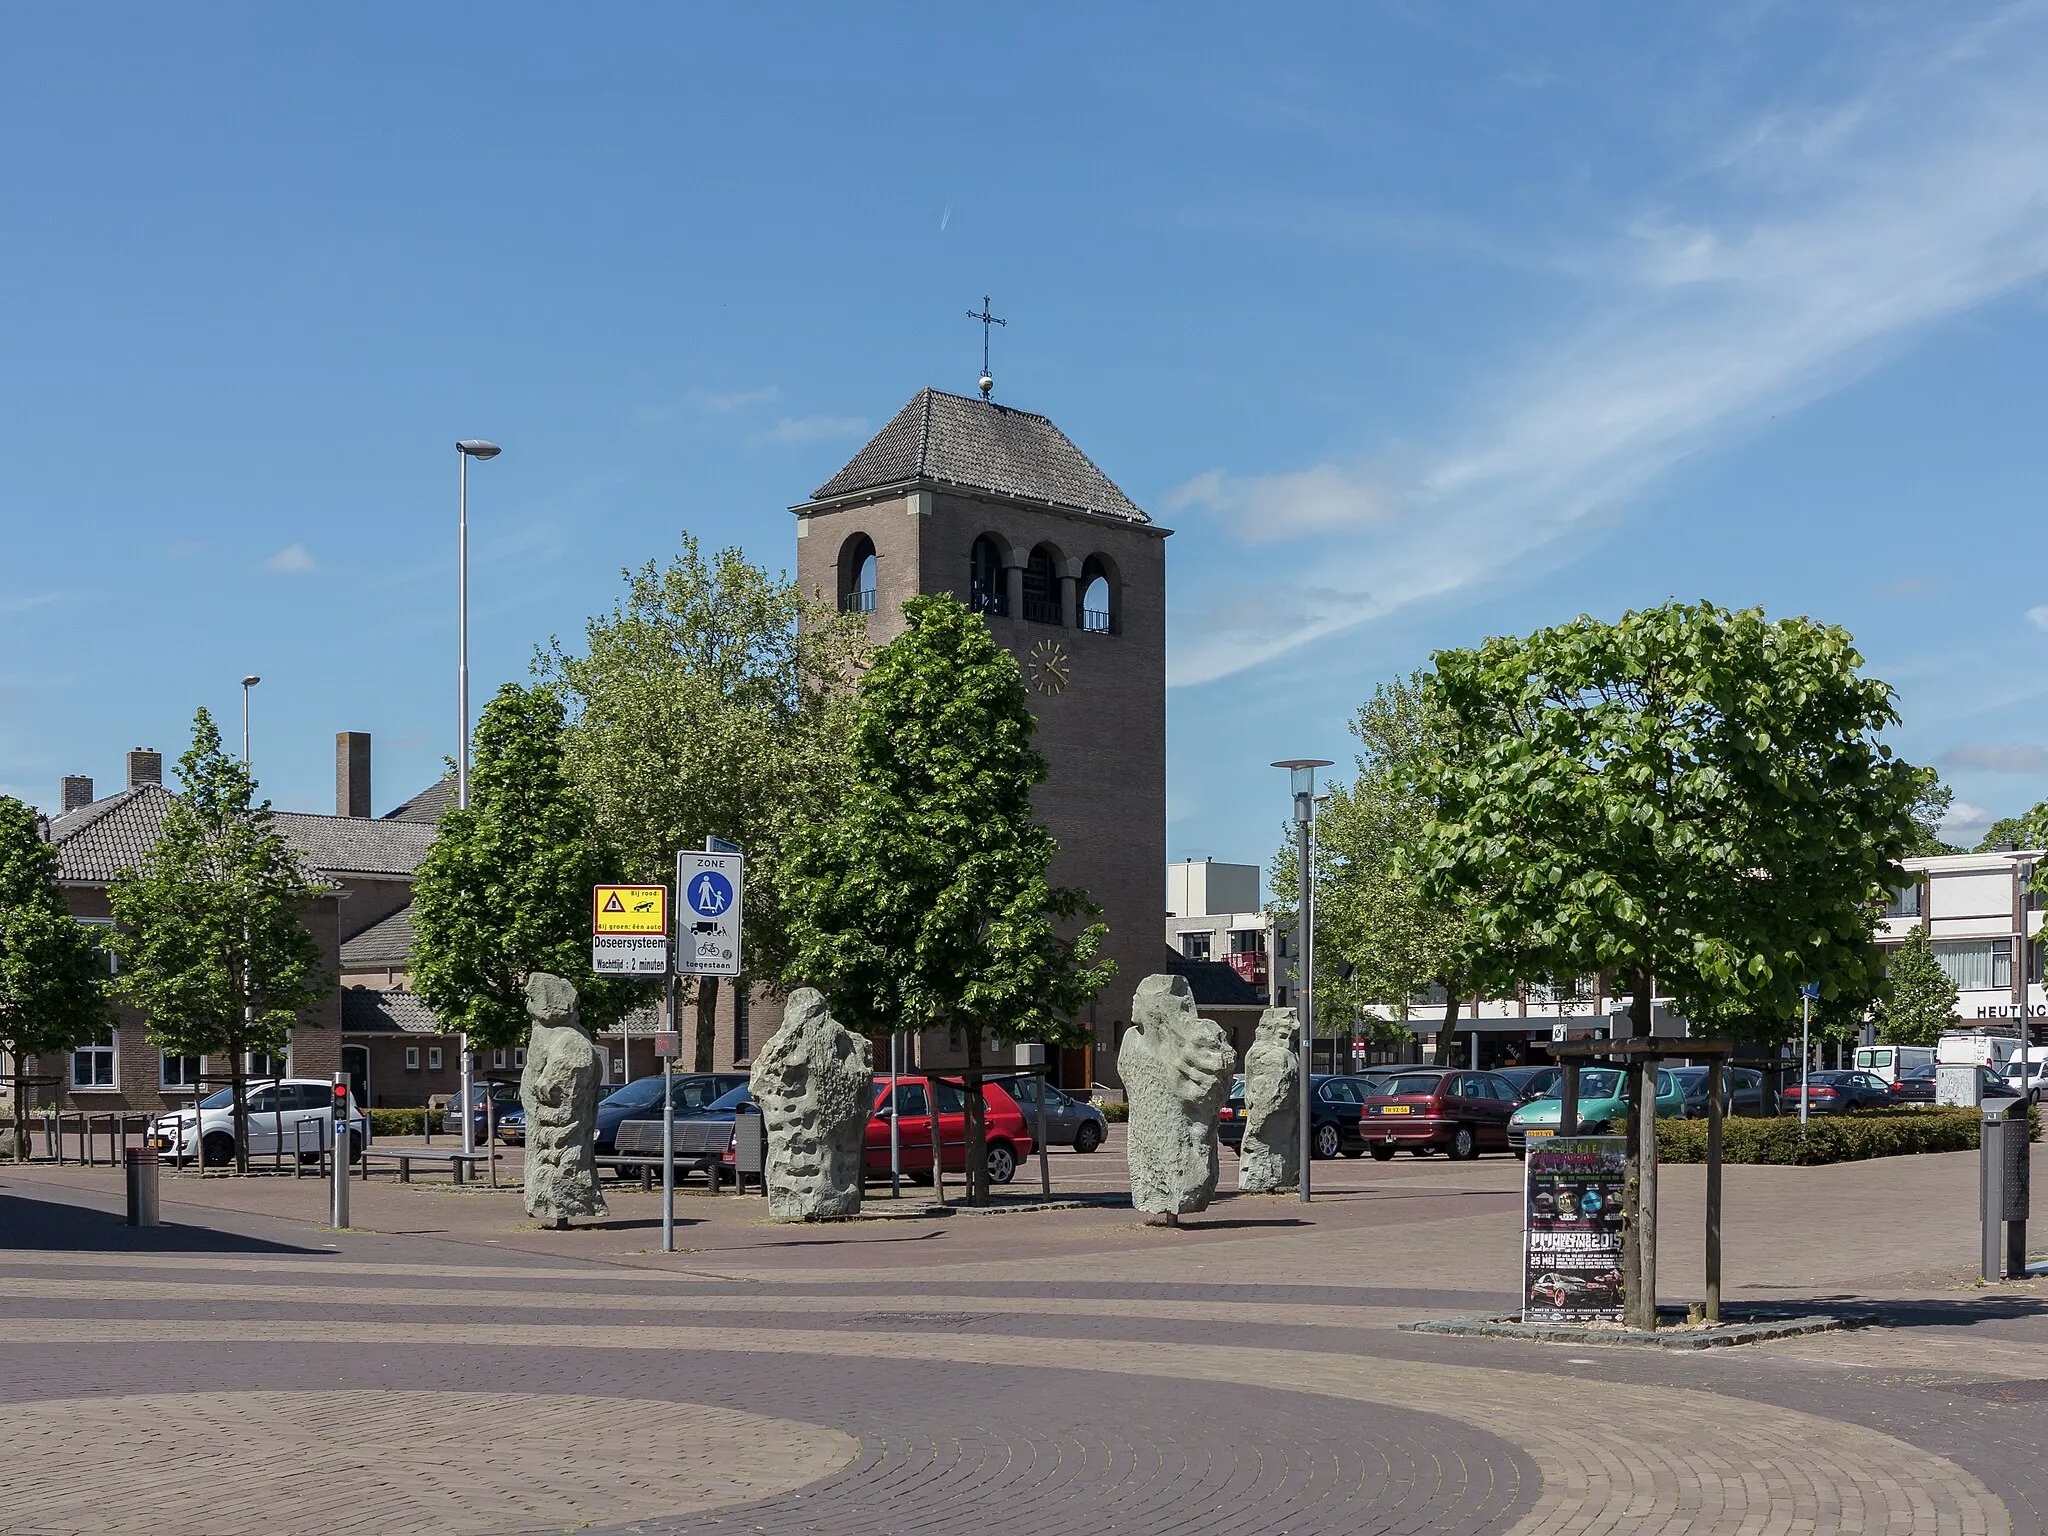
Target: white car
[(292, 1115), (2035, 1083)]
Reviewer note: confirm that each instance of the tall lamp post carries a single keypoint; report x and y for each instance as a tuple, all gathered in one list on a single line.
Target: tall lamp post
[(1302, 778), (465, 450), (247, 683)]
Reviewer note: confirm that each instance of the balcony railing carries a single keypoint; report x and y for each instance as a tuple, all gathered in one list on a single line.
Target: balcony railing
[(858, 602), (982, 600), (1097, 621), (1250, 965), (1040, 610)]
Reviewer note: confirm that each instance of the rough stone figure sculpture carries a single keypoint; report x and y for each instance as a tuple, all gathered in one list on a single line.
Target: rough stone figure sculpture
[(814, 1083), (559, 1090), (1270, 1157), (1176, 1070)]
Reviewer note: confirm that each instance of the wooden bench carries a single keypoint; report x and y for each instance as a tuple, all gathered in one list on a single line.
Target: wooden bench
[(699, 1147), (458, 1161)]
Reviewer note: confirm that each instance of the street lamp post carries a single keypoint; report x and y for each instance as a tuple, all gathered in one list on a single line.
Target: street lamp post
[(1302, 779), (465, 450), (247, 683)]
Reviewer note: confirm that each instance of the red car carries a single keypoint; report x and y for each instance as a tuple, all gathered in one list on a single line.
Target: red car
[(1009, 1135), (1429, 1108)]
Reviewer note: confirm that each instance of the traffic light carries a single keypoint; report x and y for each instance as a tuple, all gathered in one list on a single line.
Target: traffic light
[(341, 1101)]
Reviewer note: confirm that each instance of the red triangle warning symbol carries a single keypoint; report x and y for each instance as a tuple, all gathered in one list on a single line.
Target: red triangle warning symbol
[(613, 904)]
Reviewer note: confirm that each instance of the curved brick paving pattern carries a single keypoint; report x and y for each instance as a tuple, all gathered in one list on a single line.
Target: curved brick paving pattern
[(273, 1461)]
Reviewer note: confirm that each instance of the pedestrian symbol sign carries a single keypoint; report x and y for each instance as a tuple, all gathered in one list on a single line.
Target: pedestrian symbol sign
[(708, 928), (629, 909)]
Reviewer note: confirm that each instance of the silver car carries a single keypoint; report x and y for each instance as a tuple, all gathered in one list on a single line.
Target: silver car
[(1069, 1122)]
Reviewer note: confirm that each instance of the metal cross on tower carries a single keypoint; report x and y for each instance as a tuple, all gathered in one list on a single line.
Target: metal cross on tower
[(987, 382)]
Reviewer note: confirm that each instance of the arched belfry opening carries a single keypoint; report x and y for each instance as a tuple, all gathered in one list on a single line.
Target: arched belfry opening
[(857, 575), (1098, 597), (1042, 587), (985, 587)]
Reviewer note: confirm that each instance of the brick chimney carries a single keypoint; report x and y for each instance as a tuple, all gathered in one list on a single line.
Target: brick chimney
[(77, 792), (145, 766), (352, 773)]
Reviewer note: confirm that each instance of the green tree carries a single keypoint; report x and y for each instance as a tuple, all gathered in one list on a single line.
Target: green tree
[(1930, 809), (923, 901), (1919, 1000), (52, 993), (1372, 914), (208, 924), (1690, 798), (712, 700), (2029, 830), (505, 887)]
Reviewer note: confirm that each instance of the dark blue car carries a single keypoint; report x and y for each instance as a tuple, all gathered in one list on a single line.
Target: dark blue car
[(641, 1100)]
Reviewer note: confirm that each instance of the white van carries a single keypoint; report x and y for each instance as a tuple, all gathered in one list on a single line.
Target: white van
[(1964, 1048), (1892, 1062)]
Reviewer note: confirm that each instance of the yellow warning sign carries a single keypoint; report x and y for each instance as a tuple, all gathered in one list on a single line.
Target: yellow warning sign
[(629, 909)]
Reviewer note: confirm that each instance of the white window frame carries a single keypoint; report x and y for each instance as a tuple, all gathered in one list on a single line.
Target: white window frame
[(111, 1050), (412, 1058), (255, 1063), (497, 1059), (165, 1078), (108, 958), (519, 1057), (434, 1059)]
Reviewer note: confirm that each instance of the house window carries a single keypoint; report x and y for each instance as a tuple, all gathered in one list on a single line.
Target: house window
[(93, 1064), (178, 1071), (497, 1059), (433, 1058), (412, 1058), (1196, 945), (1905, 901), (985, 585), (1976, 965), (1247, 941), (109, 961), (263, 1064), (519, 1056)]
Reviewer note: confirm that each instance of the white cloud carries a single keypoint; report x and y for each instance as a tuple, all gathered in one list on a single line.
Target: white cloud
[(1263, 508), (292, 559), (809, 429), (2013, 757), (2038, 616), (1965, 823), (29, 602), (701, 402), (1818, 245)]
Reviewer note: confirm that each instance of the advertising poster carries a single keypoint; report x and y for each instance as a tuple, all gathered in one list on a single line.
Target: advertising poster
[(1571, 1230)]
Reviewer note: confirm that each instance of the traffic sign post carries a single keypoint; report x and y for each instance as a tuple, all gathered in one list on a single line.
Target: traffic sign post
[(629, 930), (339, 1195), (709, 892)]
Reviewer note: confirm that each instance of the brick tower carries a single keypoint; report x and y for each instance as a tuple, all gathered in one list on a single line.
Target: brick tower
[(999, 508)]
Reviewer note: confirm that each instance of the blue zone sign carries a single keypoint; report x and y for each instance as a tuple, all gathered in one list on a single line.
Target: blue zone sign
[(712, 887)]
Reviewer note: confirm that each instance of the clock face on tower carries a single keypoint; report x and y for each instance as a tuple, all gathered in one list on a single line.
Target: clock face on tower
[(1049, 668)]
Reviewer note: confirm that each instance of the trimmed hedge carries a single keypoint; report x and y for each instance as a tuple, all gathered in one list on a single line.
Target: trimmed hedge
[(1116, 1111), (1827, 1138), (398, 1122)]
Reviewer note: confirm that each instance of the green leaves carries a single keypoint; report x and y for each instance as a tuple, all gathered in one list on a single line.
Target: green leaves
[(1919, 1000), (923, 901), (1690, 793), (51, 990), (505, 887), (209, 924)]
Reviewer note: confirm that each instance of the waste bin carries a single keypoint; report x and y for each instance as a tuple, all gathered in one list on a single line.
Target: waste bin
[(142, 1168), (2005, 1187)]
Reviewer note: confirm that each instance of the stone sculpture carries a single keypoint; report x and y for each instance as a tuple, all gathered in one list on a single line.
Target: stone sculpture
[(559, 1090), (814, 1081), (1176, 1070), (1270, 1157)]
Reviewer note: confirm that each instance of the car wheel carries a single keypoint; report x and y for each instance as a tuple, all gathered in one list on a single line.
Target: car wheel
[(1383, 1154), (217, 1150), (1328, 1139), (1087, 1137), (1464, 1145), (1002, 1164)]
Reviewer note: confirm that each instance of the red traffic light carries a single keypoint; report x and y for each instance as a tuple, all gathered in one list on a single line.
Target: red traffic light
[(340, 1095)]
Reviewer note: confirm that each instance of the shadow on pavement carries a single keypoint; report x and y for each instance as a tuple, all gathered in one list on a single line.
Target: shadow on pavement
[(48, 1225)]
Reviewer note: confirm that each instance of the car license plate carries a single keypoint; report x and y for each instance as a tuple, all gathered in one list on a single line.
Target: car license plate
[(1539, 1130), (1395, 1109)]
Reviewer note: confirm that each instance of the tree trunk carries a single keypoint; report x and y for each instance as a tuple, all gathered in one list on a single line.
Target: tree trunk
[(239, 1076), (976, 1151), (20, 1108), (707, 1021), (1641, 1004), (1447, 1039)]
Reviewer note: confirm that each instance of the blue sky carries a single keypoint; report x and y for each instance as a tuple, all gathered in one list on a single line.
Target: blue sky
[(1417, 323)]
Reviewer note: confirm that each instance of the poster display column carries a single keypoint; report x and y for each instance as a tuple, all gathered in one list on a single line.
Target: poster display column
[(1572, 1229)]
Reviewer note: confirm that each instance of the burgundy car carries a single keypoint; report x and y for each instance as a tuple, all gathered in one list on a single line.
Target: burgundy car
[(1438, 1108), (1008, 1134)]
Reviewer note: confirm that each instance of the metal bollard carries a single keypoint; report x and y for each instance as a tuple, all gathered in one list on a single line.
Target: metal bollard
[(142, 1187), (2004, 1191)]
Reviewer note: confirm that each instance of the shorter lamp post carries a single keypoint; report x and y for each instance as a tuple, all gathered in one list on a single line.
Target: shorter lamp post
[(247, 683), (1302, 779)]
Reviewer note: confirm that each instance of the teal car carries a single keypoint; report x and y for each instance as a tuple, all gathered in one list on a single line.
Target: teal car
[(1603, 1096)]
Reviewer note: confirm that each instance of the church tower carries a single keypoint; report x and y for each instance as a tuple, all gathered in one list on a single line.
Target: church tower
[(999, 508)]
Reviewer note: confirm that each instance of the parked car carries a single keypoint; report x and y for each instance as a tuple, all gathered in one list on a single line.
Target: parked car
[(1427, 1109), (694, 1093), (1069, 1122), (1337, 1106), (512, 1125), (1919, 1085), (505, 1095), (1742, 1091), (1007, 1130), (2033, 1081), (1529, 1082), (1603, 1097), (1835, 1093), (276, 1113), (1891, 1062)]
